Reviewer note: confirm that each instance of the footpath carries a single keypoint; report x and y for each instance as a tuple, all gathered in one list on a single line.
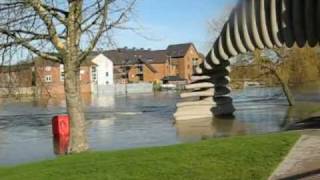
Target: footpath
[(303, 161)]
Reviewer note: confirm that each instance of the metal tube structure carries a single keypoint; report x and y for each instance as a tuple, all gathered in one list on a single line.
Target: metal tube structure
[(252, 24)]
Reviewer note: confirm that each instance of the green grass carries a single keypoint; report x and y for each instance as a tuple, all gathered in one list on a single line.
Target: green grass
[(248, 157)]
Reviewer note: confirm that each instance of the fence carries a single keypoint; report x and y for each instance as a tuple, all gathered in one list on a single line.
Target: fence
[(119, 89)]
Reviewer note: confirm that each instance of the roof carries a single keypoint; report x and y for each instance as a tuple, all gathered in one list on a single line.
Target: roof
[(179, 50), (16, 67), (131, 56), (86, 62)]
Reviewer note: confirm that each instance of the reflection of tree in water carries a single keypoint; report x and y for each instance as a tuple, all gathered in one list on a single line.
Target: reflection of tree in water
[(251, 118), (308, 112), (59, 100)]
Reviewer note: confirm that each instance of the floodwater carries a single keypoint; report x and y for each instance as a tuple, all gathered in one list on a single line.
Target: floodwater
[(140, 120)]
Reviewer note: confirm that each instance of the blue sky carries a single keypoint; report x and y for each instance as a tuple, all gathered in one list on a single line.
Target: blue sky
[(171, 21)]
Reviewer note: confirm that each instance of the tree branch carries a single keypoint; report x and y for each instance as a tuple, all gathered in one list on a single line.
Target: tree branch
[(41, 11), (25, 43), (104, 27), (55, 13)]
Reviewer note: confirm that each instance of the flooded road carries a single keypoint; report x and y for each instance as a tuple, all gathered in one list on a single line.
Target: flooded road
[(139, 120)]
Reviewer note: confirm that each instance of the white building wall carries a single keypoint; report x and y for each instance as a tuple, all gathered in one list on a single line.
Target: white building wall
[(104, 70)]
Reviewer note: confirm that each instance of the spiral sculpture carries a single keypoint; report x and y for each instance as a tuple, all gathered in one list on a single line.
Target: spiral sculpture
[(253, 24)]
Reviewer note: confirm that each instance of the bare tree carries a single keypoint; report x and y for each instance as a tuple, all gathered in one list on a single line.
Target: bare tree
[(62, 31), (216, 24), (273, 68)]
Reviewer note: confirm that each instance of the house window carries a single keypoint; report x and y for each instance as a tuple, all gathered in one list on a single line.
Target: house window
[(107, 82), (107, 74), (195, 62), (47, 68), (61, 72), (62, 76), (48, 78), (94, 74)]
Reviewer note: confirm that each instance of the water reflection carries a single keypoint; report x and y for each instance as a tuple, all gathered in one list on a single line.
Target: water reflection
[(208, 128), (60, 145), (258, 111), (137, 120)]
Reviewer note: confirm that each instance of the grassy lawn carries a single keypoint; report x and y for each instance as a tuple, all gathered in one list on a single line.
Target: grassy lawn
[(249, 157)]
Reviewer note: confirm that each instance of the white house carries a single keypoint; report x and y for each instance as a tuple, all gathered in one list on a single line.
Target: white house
[(102, 74)]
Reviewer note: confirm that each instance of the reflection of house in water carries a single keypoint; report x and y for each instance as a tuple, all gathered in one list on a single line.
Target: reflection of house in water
[(103, 101), (102, 129), (206, 128)]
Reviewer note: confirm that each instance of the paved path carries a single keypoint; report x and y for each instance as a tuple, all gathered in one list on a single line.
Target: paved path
[(303, 161)]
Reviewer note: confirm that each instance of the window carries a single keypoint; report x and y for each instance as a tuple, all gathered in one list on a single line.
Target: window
[(107, 74), (61, 76), (48, 78), (107, 82), (61, 72), (195, 61), (47, 68), (94, 73)]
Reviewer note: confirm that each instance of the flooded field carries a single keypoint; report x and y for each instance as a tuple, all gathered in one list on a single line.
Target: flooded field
[(141, 120)]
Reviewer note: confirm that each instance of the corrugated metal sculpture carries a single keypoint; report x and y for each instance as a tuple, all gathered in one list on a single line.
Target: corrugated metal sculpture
[(253, 24)]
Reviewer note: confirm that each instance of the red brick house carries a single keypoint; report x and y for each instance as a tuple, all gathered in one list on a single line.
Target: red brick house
[(136, 65), (185, 57), (16, 76), (49, 77)]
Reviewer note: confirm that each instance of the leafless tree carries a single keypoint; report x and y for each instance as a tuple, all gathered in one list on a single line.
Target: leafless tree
[(216, 24), (62, 31)]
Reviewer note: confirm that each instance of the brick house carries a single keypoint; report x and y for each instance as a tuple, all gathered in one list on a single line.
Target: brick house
[(137, 65), (16, 76), (185, 57), (49, 77), (122, 65)]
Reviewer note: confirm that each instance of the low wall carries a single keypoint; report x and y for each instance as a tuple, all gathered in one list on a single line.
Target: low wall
[(106, 90), (119, 89)]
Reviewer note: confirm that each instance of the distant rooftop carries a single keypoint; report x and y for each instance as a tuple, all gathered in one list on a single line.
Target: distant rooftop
[(130, 56)]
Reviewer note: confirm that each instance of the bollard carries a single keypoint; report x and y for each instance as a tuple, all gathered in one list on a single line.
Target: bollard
[(61, 126)]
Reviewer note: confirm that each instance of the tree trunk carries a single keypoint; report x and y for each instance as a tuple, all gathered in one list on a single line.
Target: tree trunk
[(285, 89), (78, 138)]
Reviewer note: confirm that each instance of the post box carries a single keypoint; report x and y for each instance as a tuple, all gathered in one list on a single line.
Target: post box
[(61, 126)]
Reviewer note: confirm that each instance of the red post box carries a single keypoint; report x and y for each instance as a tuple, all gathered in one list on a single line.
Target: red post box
[(61, 126)]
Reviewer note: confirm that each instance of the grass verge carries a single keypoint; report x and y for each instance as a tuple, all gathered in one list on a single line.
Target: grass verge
[(248, 157)]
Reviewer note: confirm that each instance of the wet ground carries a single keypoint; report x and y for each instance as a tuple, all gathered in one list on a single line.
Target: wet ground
[(139, 120)]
